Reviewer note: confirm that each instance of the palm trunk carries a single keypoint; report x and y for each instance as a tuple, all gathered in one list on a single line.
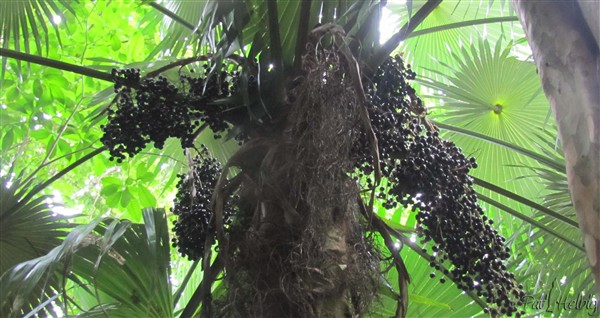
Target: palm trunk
[(565, 47), (298, 248)]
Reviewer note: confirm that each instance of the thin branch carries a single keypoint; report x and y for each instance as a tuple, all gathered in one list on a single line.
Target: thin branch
[(181, 62), (55, 143), (206, 57), (32, 175), (391, 44), (82, 70)]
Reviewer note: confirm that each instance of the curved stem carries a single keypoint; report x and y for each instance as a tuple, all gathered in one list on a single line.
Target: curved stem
[(381, 225), (413, 246)]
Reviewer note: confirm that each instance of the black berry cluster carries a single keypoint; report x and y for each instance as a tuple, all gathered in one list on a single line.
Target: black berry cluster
[(431, 175), (204, 89), (192, 206), (154, 109)]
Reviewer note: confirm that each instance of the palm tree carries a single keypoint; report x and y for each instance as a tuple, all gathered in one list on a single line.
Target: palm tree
[(483, 107)]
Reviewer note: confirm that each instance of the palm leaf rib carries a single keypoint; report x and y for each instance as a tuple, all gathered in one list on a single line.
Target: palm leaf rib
[(419, 250), (529, 220), (38, 188), (525, 201), (203, 290), (184, 283), (536, 156)]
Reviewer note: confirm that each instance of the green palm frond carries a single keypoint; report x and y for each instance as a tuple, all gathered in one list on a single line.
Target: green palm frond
[(27, 282), (567, 266), (488, 102), (226, 27), (28, 229), (494, 102), (492, 94), (21, 19), (27, 20), (126, 264), (454, 24), (199, 26), (130, 267)]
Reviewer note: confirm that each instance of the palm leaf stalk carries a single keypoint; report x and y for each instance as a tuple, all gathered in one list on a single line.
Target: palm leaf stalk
[(82, 70)]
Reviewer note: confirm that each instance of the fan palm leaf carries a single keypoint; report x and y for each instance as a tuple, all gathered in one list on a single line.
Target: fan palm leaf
[(128, 264), (130, 267), (22, 281), (23, 21), (450, 25), (558, 263), (493, 94), (497, 97), (28, 229)]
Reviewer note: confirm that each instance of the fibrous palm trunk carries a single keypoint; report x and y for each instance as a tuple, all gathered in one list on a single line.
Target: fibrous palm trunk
[(297, 248), (564, 37)]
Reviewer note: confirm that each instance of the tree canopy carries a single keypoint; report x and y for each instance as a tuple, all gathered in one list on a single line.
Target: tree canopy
[(87, 232)]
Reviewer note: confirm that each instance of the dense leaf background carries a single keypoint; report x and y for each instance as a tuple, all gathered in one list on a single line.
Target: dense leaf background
[(474, 72)]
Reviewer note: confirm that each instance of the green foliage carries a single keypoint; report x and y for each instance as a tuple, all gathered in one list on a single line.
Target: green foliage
[(482, 89), (28, 229), (126, 265)]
